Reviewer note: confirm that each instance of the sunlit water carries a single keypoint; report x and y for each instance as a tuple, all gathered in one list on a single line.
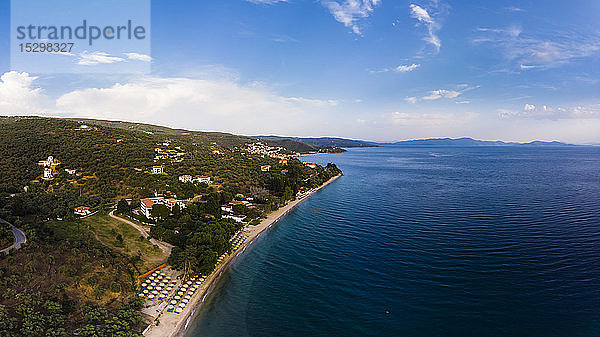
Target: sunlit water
[(426, 242)]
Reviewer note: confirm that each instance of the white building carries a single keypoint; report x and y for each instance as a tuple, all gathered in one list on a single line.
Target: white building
[(202, 179), (265, 168), (82, 210), (48, 173), (147, 204), (158, 169), (185, 178)]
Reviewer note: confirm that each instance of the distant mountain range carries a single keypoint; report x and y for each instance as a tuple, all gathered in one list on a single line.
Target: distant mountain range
[(471, 142)]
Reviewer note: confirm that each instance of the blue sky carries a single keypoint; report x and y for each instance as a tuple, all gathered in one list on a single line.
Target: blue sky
[(373, 69)]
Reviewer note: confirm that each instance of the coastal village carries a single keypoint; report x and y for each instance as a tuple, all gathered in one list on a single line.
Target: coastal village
[(173, 182)]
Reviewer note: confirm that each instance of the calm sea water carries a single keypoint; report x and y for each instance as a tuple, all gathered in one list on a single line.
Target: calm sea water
[(427, 242)]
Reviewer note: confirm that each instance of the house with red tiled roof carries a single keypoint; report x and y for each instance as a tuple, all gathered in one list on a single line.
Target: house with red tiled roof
[(82, 210)]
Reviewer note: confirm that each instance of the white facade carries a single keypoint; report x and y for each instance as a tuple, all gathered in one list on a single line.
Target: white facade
[(202, 179), (157, 169), (185, 178), (48, 173)]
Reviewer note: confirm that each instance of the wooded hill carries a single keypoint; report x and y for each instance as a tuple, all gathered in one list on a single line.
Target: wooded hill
[(71, 277)]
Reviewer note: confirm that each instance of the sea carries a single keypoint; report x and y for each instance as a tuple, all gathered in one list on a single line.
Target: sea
[(426, 241)]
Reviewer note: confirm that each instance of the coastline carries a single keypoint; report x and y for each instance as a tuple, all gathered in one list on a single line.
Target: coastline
[(176, 325)]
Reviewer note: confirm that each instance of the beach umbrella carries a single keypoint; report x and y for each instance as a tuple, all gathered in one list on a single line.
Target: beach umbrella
[(173, 302), (144, 284), (154, 292), (159, 288), (150, 287), (182, 305), (153, 284), (145, 291), (151, 277), (177, 297), (180, 293), (150, 296), (187, 297), (185, 301), (141, 295)]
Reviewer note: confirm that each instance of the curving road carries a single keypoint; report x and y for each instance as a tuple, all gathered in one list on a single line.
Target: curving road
[(20, 238), (165, 247)]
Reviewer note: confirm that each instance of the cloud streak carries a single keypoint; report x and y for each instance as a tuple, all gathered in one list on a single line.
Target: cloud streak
[(349, 12), (443, 94), (398, 69), (527, 51), (423, 17)]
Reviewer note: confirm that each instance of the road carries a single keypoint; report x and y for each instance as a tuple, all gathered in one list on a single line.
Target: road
[(20, 238), (165, 247)]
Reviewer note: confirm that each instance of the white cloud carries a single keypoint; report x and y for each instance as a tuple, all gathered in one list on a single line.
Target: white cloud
[(139, 57), (406, 68), (221, 105), (349, 12), (441, 93), (398, 69), (18, 95), (529, 51), (97, 57), (526, 67), (411, 100), (423, 17), (444, 94), (530, 111)]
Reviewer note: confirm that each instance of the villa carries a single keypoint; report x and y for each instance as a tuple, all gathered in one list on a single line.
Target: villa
[(185, 178), (265, 168), (147, 204), (158, 169), (82, 211)]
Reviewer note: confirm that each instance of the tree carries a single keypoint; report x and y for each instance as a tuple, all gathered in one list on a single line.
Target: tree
[(160, 211), (122, 206)]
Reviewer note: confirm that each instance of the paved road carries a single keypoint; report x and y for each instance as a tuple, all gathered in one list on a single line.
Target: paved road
[(20, 238), (165, 247)]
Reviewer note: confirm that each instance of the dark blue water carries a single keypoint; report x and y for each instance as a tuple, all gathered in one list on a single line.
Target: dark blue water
[(427, 242)]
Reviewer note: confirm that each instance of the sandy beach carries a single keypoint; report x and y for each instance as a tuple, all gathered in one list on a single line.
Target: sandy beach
[(170, 324)]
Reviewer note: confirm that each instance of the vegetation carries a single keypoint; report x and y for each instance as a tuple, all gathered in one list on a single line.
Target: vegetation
[(6, 236), (79, 275), (49, 286)]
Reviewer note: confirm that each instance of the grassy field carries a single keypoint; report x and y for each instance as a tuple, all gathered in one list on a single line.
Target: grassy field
[(120, 237)]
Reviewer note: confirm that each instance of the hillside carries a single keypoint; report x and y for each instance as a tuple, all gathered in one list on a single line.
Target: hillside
[(79, 275), (322, 143)]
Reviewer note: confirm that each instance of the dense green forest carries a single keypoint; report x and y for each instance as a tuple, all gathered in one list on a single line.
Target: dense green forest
[(67, 281)]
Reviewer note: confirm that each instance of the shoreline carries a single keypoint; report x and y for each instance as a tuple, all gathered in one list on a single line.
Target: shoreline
[(176, 326)]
